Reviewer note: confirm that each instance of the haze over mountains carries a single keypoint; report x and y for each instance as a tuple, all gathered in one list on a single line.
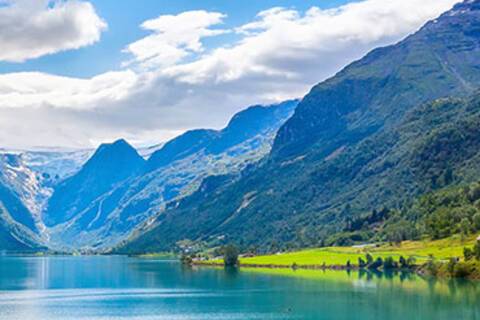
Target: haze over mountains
[(96, 203), (401, 122)]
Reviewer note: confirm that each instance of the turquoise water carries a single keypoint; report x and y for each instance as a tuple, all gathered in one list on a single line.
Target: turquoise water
[(128, 288)]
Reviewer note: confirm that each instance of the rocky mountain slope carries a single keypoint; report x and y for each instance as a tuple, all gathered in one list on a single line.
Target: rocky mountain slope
[(26, 182)]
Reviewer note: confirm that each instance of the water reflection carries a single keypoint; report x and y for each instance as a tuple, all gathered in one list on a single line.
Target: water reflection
[(114, 287)]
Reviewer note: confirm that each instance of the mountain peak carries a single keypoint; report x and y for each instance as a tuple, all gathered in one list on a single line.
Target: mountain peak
[(120, 144), (119, 150), (111, 164)]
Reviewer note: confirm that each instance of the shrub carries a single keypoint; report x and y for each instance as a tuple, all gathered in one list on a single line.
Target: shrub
[(452, 263), (476, 250), (476, 221), (411, 261), (468, 254), (462, 270), (432, 266)]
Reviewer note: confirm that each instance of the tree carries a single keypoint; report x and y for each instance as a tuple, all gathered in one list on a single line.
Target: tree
[(468, 254), (186, 260), (230, 256), (389, 263), (476, 221), (375, 265), (476, 250), (432, 266), (411, 261), (465, 226), (452, 263), (349, 265), (369, 259), (361, 263)]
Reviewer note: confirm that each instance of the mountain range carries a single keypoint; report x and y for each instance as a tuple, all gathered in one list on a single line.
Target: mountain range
[(93, 199), (383, 131), (390, 128)]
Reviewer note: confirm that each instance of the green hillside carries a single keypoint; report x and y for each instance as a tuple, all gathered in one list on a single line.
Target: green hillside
[(400, 123)]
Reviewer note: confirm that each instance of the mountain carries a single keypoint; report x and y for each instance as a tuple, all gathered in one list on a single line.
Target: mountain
[(187, 144), (440, 60), (244, 126), (106, 200), (375, 135), (17, 188), (110, 165), (15, 237), (26, 182)]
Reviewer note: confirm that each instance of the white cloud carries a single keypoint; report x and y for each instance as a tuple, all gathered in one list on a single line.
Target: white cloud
[(294, 47), (281, 54), (34, 28), (35, 90), (174, 37)]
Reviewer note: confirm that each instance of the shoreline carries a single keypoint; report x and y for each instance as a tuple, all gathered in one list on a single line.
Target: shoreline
[(420, 270)]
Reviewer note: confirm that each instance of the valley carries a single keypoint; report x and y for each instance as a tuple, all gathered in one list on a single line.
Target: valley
[(367, 156)]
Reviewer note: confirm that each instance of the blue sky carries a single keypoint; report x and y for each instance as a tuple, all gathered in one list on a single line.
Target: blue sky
[(124, 18), (77, 73)]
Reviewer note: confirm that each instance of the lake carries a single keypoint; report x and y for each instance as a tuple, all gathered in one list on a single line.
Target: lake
[(129, 288)]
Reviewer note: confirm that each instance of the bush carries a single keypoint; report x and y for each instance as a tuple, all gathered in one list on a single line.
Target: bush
[(476, 250), (462, 270), (411, 261), (432, 266), (468, 254), (476, 221), (452, 263)]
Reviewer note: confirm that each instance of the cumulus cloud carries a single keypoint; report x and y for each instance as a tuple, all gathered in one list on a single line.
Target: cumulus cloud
[(280, 54), (174, 37), (34, 28), (288, 45)]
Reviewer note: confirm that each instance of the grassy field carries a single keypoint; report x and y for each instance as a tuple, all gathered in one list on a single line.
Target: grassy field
[(338, 256), (166, 256)]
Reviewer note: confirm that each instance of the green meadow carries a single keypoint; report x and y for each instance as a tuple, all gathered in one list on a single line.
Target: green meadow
[(339, 256)]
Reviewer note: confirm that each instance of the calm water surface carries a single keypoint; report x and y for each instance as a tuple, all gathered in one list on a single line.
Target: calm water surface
[(128, 288)]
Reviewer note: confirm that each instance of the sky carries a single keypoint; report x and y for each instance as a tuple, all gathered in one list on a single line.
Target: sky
[(76, 73)]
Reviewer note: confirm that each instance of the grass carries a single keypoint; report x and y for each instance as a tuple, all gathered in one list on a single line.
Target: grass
[(158, 256), (339, 256)]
